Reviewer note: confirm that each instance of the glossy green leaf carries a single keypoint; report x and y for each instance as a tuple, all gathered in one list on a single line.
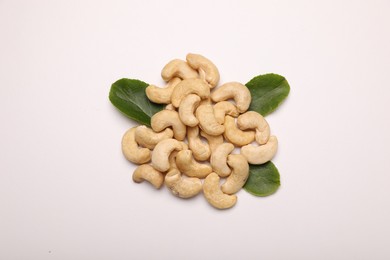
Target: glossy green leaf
[(128, 95), (263, 179), (268, 91)]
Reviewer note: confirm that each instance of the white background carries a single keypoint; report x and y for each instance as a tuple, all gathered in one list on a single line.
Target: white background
[(66, 190)]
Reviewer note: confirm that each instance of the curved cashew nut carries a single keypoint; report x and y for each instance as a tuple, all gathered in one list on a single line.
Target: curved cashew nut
[(148, 173), (200, 150), (182, 187), (253, 120), (189, 86), (187, 165), (219, 157), (161, 95), (178, 68), (213, 141), (207, 121), (214, 194), (187, 108), (146, 137), (239, 175), (160, 156), (166, 118), (240, 93), (130, 148), (235, 135), (204, 65), (260, 154), (223, 108)]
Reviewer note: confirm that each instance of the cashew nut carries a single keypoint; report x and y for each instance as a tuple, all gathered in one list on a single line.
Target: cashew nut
[(148, 173), (240, 93), (178, 68), (224, 108), (239, 175), (235, 135), (146, 137), (219, 157), (160, 155), (187, 165), (166, 118), (187, 108), (213, 141), (161, 95), (130, 148), (214, 194), (189, 86), (253, 120), (181, 186), (262, 153), (200, 150), (204, 65), (207, 121)]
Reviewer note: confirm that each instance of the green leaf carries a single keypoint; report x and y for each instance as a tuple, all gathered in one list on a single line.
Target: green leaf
[(128, 95), (268, 91), (263, 179)]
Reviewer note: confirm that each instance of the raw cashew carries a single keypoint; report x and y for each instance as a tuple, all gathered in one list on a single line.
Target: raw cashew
[(260, 154), (187, 165), (239, 175), (166, 118), (146, 137), (163, 149), (207, 121), (130, 148), (161, 95), (253, 120), (213, 141), (200, 150), (214, 194), (240, 93), (181, 186), (204, 65), (148, 173), (187, 108), (224, 108), (178, 68), (189, 86), (235, 135), (219, 157)]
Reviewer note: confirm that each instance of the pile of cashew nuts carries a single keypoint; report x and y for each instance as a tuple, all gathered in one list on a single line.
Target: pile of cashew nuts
[(179, 156)]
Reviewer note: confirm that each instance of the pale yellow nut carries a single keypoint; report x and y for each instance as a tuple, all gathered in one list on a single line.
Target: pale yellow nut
[(200, 150), (218, 159), (239, 175), (161, 95), (160, 155), (253, 120), (146, 137), (187, 108), (207, 121), (149, 174), (214, 194), (262, 153), (169, 118), (235, 135), (237, 91), (189, 86), (130, 148), (178, 68), (212, 140), (204, 66), (181, 186), (223, 108), (186, 164)]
